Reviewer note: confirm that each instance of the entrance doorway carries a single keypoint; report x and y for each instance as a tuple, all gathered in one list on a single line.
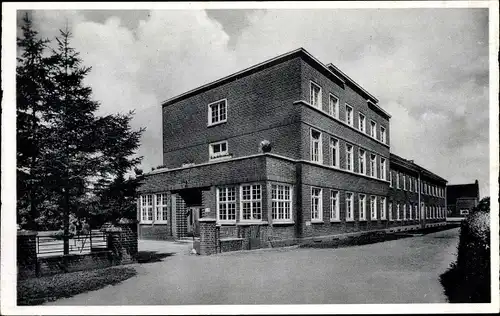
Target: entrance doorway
[(193, 215)]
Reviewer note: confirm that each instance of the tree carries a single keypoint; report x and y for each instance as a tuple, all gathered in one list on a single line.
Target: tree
[(32, 83)]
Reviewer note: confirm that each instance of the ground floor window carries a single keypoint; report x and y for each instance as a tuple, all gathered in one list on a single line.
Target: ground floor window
[(161, 209), (383, 210), (226, 204), (373, 207), (362, 207), (390, 211), (398, 216), (147, 207), (316, 204), (417, 214), (251, 202), (334, 205), (349, 206), (281, 202)]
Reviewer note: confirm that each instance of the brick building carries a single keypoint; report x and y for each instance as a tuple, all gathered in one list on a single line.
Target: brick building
[(287, 149), (462, 198)]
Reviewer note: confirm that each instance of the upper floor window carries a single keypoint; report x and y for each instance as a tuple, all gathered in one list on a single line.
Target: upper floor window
[(362, 207), (362, 161), (348, 115), (349, 159), (251, 204), (373, 165), (383, 168), (334, 206), (316, 148), (397, 180), (281, 202), (217, 112), (362, 122), (226, 204), (218, 150), (404, 182), (333, 106), (383, 135), (391, 182), (315, 95), (373, 129), (334, 152), (316, 204)]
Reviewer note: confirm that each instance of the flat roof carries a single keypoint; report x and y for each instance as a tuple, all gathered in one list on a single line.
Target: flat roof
[(333, 71)]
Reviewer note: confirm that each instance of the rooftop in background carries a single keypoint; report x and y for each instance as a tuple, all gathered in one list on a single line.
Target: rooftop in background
[(455, 191), (410, 164), (335, 73)]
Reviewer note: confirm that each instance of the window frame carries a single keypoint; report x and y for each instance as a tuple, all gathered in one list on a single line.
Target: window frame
[(373, 129), (383, 168), (209, 120), (362, 161), (277, 200), (373, 207), (161, 208), (383, 210), (320, 146), (320, 93), (335, 163), (227, 202), (373, 165), (362, 210), (349, 162), (336, 106), (391, 217), (252, 200), (146, 209), (349, 115), (335, 207), (319, 204), (361, 128), (351, 199), (383, 134), (223, 155)]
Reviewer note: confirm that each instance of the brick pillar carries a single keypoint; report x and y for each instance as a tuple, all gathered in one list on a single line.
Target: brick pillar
[(122, 241), (26, 253), (208, 236)]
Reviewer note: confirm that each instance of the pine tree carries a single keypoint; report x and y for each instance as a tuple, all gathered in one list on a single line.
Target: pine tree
[(32, 82)]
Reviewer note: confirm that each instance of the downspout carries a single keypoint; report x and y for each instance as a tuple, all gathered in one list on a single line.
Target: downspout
[(419, 201)]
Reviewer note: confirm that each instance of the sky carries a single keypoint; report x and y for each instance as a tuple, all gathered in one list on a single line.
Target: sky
[(428, 67)]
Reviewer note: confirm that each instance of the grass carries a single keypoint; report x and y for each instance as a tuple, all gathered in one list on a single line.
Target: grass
[(37, 291)]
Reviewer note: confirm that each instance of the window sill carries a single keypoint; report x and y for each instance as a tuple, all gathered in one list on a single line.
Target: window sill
[(362, 220), (220, 158), (215, 124), (160, 222), (349, 220), (317, 222), (335, 221), (146, 222), (249, 223), (226, 223), (283, 223)]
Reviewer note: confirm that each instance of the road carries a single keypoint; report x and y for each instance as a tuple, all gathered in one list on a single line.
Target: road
[(399, 271)]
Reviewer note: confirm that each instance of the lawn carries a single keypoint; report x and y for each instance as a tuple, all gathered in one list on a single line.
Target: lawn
[(37, 291)]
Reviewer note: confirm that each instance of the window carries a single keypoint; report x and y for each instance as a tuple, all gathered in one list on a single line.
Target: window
[(316, 148), (397, 179), (404, 181), (281, 202), (217, 112), (334, 152), (348, 115), (362, 123), (315, 95), (373, 165), (348, 206), (362, 161), (417, 214), (147, 207), (373, 207), (416, 186), (161, 207), (383, 168), (404, 212), (373, 129), (333, 107), (391, 179), (362, 207), (390, 211), (218, 150), (334, 206), (383, 211), (349, 157), (251, 204), (398, 216), (383, 136), (226, 204), (410, 211), (316, 204)]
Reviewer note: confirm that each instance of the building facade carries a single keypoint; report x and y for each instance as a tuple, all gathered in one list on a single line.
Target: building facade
[(285, 150), (462, 198)]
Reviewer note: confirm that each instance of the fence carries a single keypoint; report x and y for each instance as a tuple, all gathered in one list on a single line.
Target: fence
[(78, 244)]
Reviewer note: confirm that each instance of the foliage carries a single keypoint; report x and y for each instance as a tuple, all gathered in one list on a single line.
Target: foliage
[(37, 291), (468, 279)]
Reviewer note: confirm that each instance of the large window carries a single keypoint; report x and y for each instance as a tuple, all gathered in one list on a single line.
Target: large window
[(362, 161), (362, 207), (316, 204), (390, 211), (404, 211), (333, 107), (373, 129), (281, 202), (251, 202), (349, 159), (349, 206), (315, 95), (362, 122), (218, 150), (349, 115), (316, 148), (373, 207), (147, 208), (404, 181), (383, 211), (161, 208), (383, 168), (226, 204), (373, 165), (217, 112), (334, 152), (334, 206), (383, 135), (410, 211), (398, 215)]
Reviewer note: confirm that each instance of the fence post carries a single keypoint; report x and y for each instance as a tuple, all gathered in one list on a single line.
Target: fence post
[(26, 253)]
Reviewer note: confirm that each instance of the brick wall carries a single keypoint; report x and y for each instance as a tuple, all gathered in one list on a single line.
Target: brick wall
[(155, 231), (26, 254), (72, 263), (209, 238)]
